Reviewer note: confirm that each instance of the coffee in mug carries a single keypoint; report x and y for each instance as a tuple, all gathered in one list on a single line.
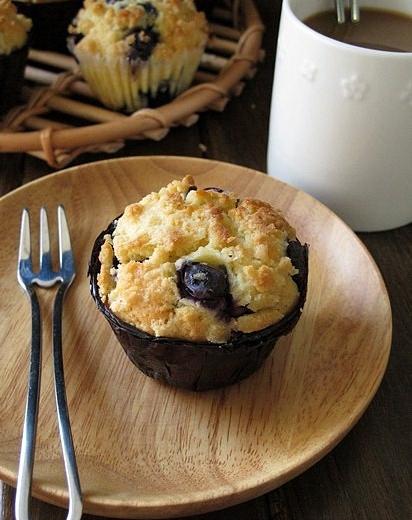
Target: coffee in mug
[(378, 29)]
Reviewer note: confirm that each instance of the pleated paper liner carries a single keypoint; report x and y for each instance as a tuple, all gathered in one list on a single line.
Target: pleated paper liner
[(61, 119)]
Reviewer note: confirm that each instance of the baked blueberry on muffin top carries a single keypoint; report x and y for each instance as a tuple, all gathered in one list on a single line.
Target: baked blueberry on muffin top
[(198, 264)]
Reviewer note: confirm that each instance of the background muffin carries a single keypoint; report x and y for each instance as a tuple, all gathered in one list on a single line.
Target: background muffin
[(135, 53), (14, 34), (50, 21), (199, 283)]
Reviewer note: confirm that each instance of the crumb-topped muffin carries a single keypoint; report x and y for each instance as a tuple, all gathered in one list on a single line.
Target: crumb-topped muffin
[(14, 33), (200, 267), (135, 53), (198, 264)]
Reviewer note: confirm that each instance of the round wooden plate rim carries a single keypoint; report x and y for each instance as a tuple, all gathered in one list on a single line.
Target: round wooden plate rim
[(248, 487)]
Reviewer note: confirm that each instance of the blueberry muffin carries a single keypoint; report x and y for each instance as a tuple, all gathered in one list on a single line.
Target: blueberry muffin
[(14, 35), (138, 53), (197, 284)]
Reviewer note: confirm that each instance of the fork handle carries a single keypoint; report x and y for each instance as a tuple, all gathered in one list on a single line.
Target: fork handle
[(28, 443), (70, 465)]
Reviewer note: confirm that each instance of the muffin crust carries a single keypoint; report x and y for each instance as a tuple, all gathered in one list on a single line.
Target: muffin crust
[(14, 28), (106, 27), (178, 225)]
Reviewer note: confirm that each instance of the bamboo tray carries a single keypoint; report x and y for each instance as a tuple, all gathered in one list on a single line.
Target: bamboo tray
[(55, 93)]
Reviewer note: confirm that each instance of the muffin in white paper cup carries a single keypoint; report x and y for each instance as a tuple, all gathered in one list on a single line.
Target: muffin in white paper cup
[(135, 53)]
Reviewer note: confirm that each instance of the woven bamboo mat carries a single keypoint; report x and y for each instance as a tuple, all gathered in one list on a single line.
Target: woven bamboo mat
[(61, 119)]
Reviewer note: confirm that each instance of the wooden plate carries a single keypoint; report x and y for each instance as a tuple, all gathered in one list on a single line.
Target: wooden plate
[(146, 450)]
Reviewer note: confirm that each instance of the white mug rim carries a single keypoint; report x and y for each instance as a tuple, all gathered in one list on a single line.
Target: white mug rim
[(342, 45)]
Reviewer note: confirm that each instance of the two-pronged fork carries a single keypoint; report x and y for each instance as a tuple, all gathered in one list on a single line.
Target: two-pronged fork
[(354, 10), (46, 278)]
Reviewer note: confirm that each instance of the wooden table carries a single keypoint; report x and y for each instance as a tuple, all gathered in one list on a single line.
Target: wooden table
[(368, 475)]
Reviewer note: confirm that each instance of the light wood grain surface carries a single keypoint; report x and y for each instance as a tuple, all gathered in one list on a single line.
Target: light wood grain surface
[(146, 450)]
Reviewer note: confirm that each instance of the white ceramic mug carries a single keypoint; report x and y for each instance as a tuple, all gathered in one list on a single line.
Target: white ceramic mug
[(341, 120)]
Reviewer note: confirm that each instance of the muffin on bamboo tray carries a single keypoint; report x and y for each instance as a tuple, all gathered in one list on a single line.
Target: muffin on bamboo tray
[(50, 21), (138, 53), (198, 285), (205, 5), (14, 36)]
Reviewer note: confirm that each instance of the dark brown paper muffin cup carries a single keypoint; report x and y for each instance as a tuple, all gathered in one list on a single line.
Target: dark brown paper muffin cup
[(50, 22), (11, 78), (200, 366)]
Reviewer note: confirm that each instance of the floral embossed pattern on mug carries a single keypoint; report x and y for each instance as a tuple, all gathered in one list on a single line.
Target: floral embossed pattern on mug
[(354, 88)]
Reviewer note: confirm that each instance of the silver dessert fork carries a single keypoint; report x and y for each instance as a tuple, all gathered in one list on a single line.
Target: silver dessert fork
[(354, 10), (46, 278)]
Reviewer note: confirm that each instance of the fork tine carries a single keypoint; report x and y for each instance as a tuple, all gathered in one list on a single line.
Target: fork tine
[(65, 248), (45, 260), (24, 246), (24, 267), (340, 11), (355, 14)]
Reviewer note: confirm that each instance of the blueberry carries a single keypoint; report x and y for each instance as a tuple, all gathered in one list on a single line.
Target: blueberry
[(217, 190), (162, 95), (209, 286), (150, 9), (239, 310), (145, 40), (204, 282)]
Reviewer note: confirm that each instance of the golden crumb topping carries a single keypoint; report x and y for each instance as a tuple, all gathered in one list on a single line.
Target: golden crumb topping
[(198, 264), (139, 27), (13, 28)]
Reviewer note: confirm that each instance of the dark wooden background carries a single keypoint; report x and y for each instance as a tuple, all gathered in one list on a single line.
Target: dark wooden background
[(368, 475)]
